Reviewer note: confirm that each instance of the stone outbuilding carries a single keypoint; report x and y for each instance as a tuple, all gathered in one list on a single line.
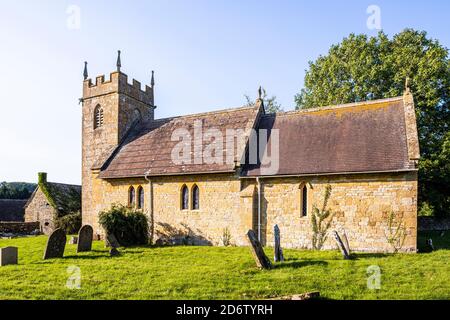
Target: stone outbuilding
[(51, 200)]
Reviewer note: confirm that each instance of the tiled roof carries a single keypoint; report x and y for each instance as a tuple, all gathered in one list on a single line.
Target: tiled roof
[(360, 137), (148, 147), (12, 210)]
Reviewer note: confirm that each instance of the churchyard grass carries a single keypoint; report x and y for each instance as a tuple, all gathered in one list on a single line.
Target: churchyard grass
[(188, 272)]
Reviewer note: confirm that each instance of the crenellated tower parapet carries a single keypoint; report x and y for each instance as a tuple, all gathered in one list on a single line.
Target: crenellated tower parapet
[(118, 83)]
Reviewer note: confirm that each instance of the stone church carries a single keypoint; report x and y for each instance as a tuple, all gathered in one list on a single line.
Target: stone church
[(367, 152)]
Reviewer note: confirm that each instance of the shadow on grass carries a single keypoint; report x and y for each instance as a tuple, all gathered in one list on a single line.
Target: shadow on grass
[(299, 264), (365, 255)]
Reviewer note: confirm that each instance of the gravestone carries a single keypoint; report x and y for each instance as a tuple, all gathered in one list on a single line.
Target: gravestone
[(430, 244), (258, 253), (113, 252), (278, 257), (85, 236), (345, 242), (73, 240), (55, 244), (8, 256), (111, 241), (341, 245)]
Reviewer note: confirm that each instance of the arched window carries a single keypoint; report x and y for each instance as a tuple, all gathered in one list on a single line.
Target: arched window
[(131, 197), (98, 117), (140, 194), (136, 117), (304, 201), (184, 198), (195, 198)]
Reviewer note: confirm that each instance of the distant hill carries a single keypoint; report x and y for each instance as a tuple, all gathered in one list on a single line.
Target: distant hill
[(16, 190)]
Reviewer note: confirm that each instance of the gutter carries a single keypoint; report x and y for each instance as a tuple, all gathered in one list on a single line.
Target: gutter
[(329, 174), (259, 208), (150, 207)]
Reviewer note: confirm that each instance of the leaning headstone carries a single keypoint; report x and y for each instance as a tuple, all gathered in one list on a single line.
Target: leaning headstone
[(341, 245), (55, 244), (85, 236), (73, 240), (345, 242), (278, 251), (111, 241), (258, 253), (113, 252), (8, 255), (430, 244)]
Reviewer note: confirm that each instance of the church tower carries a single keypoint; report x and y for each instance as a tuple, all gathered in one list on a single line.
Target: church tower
[(109, 108)]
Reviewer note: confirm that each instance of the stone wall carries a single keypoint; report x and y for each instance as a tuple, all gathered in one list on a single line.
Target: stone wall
[(39, 210), (433, 224), (19, 227), (361, 204)]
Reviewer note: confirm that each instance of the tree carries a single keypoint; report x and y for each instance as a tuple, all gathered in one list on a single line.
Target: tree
[(271, 104), (366, 68)]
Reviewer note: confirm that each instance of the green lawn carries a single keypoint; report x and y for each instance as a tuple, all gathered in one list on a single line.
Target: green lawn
[(221, 273)]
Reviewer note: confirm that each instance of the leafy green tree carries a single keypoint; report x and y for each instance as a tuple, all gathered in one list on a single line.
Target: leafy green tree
[(366, 68), (16, 190), (271, 104)]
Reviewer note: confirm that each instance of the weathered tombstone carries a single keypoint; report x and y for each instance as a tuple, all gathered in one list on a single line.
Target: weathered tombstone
[(73, 240), (278, 251), (55, 244), (85, 236), (113, 252), (258, 253), (111, 241), (8, 255), (341, 245), (430, 244), (345, 242)]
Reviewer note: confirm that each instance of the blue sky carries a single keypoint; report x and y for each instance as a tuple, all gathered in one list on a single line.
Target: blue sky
[(206, 56)]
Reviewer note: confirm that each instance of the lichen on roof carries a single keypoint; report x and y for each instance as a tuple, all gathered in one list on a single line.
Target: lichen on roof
[(65, 198)]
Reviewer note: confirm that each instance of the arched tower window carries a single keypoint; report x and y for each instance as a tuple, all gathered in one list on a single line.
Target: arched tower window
[(131, 197), (184, 198), (136, 117), (195, 198), (140, 194), (304, 201), (98, 117)]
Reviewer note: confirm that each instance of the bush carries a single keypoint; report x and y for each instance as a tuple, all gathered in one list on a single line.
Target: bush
[(70, 223), (129, 226)]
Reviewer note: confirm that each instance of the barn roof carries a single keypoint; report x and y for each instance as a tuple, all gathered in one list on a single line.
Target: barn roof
[(12, 210), (65, 198)]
